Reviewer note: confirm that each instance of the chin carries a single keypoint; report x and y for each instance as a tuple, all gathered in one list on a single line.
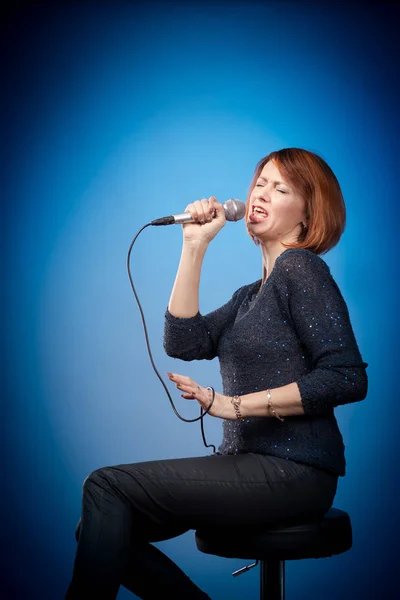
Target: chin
[(265, 240)]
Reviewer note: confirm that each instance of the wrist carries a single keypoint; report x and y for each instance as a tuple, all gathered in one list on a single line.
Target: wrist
[(195, 246), (271, 409), (226, 410), (236, 403)]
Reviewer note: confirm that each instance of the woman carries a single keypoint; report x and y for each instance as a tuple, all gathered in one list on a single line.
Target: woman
[(287, 356)]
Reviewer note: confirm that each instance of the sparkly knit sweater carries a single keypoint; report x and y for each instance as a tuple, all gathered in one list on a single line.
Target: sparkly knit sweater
[(295, 328)]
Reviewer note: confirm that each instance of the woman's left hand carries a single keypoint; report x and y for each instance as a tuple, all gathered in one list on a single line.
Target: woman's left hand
[(222, 406)]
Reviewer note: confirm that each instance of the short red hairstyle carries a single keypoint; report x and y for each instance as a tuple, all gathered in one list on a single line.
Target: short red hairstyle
[(315, 181)]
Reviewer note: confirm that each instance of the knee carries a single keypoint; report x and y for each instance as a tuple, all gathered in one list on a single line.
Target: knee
[(100, 479)]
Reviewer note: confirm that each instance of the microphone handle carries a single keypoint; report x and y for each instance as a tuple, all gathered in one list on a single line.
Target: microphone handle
[(185, 217)]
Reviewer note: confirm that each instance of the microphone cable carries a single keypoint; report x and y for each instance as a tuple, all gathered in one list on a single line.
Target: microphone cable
[(202, 412)]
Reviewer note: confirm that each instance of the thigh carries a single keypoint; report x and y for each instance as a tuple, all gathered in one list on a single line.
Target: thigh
[(186, 493)]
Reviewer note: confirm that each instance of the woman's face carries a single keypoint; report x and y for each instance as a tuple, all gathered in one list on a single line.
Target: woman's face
[(276, 210)]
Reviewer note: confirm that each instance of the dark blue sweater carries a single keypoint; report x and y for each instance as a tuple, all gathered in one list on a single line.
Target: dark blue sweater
[(297, 328)]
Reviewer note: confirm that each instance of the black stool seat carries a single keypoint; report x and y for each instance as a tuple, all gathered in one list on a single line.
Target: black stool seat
[(316, 538), (272, 545)]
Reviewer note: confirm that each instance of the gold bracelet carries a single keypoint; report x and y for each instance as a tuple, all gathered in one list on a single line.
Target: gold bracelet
[(236, 400), (271, 408)]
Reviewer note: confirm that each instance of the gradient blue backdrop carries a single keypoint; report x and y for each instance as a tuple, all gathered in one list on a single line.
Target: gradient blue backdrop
[(118, 113)]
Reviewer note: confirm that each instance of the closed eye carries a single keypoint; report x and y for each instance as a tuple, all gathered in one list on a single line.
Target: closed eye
[(277, 189)]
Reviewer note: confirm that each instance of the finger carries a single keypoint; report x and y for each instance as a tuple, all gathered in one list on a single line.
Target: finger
[(191, 208), (189, 388), (219, 210), (208, 208), (177, 378), (202, 210), (185, 387), (212, 203)]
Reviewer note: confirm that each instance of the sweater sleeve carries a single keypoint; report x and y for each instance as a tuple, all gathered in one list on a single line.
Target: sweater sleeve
[(196, 338), (322, 321)]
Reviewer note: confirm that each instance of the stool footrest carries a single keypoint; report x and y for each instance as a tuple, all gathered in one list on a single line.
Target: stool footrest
[(244, 569)]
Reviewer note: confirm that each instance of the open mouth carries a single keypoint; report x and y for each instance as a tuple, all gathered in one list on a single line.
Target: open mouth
[(258, 214)]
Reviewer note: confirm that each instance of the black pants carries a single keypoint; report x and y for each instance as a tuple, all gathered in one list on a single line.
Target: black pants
[(126, 507)]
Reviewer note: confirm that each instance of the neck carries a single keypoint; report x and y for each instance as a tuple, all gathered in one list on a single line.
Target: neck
[(270, 252)]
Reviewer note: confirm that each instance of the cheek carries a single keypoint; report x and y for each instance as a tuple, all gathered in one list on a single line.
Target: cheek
[(253, 194), (283, 207), (286, 213), (299, 207), (294, 209)]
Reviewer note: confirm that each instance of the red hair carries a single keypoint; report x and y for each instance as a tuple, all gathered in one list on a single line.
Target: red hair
[(315, 181)]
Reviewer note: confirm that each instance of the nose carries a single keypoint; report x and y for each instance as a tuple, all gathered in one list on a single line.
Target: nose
[(263, 195)]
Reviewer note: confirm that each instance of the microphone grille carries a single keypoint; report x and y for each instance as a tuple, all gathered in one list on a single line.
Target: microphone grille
[(234, 209)]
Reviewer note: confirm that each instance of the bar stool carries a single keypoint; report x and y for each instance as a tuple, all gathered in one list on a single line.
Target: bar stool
[(271, 546)]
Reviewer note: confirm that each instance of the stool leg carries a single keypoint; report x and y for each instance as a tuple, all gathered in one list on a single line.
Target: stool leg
[(272, 580)]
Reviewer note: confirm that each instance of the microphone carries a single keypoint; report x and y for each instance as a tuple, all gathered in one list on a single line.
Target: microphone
[(234, 211)]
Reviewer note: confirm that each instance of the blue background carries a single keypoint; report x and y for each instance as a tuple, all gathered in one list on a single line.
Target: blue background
[(115, 114)]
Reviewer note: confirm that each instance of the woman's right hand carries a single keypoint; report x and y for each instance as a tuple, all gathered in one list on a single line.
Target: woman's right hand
[(209, 218)]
